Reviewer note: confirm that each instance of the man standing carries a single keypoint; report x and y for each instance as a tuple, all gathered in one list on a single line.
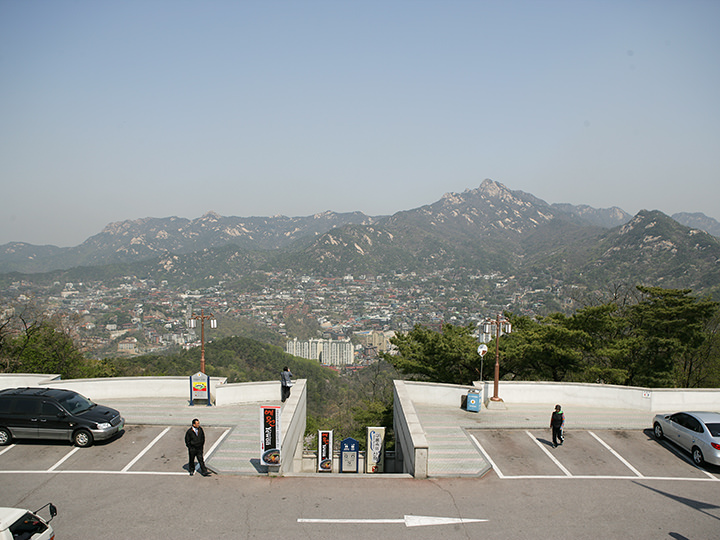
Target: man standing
[(557, 421), (285, 383), (195, 440)]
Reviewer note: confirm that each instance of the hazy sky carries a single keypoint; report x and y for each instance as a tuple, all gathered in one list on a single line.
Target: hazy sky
[(122, 110)]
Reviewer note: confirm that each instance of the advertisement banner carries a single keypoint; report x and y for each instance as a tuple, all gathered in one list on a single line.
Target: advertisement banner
[(325, 451), (270, 435), (375, 455)]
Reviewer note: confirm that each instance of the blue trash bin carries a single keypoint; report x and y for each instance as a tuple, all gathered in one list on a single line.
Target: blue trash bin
[(473, 402)]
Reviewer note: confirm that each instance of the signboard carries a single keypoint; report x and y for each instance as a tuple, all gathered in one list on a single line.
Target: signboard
[(375, 455), (270, 435), (200, 387), (349, 452), (482, 350), (325, 451)]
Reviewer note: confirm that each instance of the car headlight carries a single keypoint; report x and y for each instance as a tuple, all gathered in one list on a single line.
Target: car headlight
[(104, 425)]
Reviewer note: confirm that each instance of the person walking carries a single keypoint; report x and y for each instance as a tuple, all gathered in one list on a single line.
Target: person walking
[(285, 384), (195, 441), (557, 421)]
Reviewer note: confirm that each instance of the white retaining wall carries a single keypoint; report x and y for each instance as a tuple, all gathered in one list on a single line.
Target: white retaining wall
[(292, 425), (599, 395), (21, 380), (117, 387), (229, 394), (411, 446)]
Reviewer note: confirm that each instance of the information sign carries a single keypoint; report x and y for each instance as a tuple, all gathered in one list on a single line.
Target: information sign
[(200, 387), (349, 452), (375, 455)]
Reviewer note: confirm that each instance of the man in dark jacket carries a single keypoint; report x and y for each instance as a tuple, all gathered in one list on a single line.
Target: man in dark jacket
[(557, 421), (285, 383), (195, 440)]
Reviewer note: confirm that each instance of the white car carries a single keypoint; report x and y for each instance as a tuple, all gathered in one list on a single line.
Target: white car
[(19, 524), (696, 432)]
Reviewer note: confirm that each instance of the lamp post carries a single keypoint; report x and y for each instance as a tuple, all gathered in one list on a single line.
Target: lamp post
[(502, 326), (193, 324)]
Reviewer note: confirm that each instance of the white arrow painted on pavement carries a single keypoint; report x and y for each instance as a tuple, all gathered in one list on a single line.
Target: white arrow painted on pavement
[(409, 521)]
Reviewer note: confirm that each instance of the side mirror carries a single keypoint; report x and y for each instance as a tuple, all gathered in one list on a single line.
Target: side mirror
[(53, 511)]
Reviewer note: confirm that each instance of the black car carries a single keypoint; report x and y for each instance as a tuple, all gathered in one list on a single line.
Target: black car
[(51, 413)]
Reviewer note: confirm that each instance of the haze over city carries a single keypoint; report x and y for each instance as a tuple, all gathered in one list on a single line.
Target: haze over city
[(114, 111)]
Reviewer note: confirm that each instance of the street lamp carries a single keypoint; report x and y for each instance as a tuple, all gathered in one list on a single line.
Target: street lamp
[(502, 326), (193, 324)]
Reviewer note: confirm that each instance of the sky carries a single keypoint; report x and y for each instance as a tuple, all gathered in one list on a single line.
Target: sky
[(111, 111)]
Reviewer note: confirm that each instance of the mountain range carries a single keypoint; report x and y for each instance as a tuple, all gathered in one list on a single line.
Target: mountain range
[(487, 229)]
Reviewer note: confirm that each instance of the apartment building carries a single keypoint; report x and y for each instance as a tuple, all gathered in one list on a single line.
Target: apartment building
[(329, 352)]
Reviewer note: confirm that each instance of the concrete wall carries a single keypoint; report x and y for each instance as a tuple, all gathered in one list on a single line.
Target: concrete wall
[(132, 387), (597, 395), (115, 387), (438, 393), (411, 446), (292, 424), (229, 394), (21, 380)]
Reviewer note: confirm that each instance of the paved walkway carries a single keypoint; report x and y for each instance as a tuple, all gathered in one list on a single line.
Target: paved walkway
[(451, 451)]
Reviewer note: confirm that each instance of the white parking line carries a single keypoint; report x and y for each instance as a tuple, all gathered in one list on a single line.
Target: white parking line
[(151, 473), (614, 453), (542, 447), (217, 443), (487, 456), (7, 449), (145, 450), (70, 453)]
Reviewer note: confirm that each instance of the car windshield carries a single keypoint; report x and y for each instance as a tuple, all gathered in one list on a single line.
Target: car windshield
[(714, 429), (75, 403)]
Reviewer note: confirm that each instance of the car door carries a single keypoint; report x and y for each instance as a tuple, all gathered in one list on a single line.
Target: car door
[(53, 422), (24, 418), (695, 431), (673, 429), (684, 432)]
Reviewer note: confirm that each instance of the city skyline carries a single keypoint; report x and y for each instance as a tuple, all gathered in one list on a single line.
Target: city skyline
[(114, 112)]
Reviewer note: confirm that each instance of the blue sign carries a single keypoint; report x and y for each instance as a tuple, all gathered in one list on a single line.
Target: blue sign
[(349, 454)]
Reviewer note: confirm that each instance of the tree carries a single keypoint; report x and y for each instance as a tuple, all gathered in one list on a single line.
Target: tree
[(449, 356), (665, 325), (668, 327), (604, 346), (43, 348), (543, 349)]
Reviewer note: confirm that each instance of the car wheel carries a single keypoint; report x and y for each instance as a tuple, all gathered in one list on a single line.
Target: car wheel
[(657, 429), (5, 437), (697, 456), (83, 438)]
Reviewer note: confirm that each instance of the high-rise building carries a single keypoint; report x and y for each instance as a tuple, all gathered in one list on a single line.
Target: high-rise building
[(329, 352)]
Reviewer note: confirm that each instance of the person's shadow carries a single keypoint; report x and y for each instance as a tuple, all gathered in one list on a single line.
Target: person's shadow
[(545, 442)]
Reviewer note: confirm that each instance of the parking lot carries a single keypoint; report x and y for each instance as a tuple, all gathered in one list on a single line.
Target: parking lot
[(513, 454), (137, 450), (606, 454), (624, 483)]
